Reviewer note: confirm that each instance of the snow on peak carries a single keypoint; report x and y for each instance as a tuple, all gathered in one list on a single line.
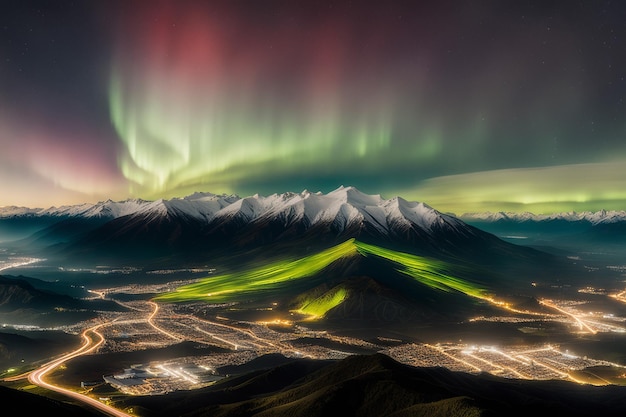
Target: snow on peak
[(601, 216), (343, 207), (154, 208), (355, 197), (113, 209), (15, 211), (411, 212)]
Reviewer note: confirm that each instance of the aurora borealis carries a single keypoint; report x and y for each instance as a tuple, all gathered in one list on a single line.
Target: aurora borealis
[(467, 106)]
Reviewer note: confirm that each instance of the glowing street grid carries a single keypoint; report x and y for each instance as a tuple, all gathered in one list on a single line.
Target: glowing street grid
[(17, 261), (151, 325), (522, 362), (147, 324)]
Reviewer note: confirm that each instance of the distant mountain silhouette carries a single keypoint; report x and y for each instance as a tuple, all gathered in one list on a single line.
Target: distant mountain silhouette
[(23, 304)]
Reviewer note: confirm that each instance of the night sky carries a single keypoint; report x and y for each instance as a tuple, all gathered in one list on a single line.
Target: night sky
[(464, 105)]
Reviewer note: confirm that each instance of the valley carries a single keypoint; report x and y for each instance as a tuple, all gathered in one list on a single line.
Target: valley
[(147, 326), (187, 322), (164, 314)]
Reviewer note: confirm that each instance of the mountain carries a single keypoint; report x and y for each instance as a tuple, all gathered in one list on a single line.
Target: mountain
[(593, 218), (23, 304), (343, 213), (376, 385), (42, 227), (207, 225), (603, 227), (18, 294), (107, 209), (351, 283)]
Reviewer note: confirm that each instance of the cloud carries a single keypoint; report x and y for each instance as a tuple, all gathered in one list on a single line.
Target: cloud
[(574, 187)]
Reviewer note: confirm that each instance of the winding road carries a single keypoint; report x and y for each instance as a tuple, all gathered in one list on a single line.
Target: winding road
[(92, 340)]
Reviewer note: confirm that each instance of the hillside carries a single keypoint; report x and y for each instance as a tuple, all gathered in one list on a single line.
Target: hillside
[(377, 386), (21, 303), (353, 281), (28, 404)]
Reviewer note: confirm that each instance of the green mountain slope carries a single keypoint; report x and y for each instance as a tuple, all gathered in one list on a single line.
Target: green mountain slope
[(295, 276)]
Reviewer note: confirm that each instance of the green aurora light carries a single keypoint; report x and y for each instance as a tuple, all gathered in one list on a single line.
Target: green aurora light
[(272, 279), (318, 307), (221, 144), (470, 108), (250, 284)]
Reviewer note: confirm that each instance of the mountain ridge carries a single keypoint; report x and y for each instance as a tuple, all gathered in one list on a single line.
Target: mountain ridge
[(206, 223), (112, 209), (209, 226), (593, 217)]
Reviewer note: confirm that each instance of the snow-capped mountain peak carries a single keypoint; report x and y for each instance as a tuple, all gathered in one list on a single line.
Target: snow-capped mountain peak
[(343, 207), (205, 220), (598, 217)]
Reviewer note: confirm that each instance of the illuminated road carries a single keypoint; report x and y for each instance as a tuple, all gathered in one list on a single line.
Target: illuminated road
[(157, 328), (454, 358), (620, 296), (252, 338), (581, 323), (221, 339), (241, 331), (544, 362), (19, 262), (263, 341), (247, 338), (90, 345)]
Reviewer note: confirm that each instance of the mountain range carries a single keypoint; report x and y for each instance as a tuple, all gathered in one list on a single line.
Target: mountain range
[(602, 228), (344, 212), (340, 255), (344, 201), (341, 211), (234, 232), (592, 217), (205, 223)]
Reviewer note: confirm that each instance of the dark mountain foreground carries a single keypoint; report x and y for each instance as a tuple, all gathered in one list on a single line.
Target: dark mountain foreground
[(23, 348), (23, 403), (360, 385), (376, 385)]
